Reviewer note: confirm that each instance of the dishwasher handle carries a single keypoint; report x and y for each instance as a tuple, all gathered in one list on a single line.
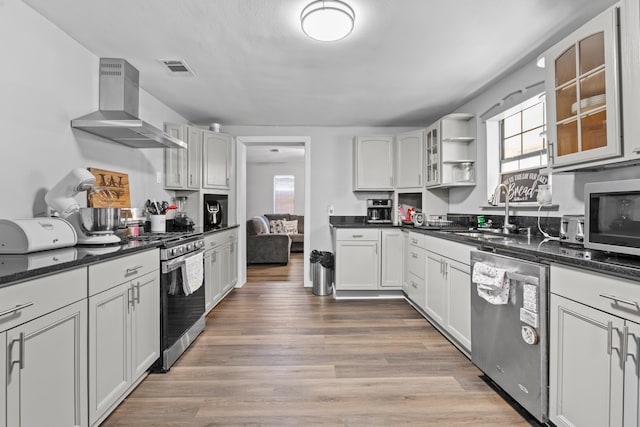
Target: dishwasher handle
[(531, 280)]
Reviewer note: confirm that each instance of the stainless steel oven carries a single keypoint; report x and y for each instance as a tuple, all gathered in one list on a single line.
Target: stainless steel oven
[(182, 313), (612, 216)]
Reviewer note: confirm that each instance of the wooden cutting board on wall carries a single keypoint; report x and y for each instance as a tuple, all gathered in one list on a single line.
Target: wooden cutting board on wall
[(114, 188)]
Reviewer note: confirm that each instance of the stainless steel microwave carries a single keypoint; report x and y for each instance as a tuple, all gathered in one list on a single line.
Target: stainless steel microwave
[(612, 216)]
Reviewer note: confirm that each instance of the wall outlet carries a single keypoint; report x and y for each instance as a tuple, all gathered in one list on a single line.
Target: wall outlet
[(158, 177), (330, 210)]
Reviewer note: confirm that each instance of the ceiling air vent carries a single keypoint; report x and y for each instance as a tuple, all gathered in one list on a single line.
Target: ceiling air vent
[(177, 67)]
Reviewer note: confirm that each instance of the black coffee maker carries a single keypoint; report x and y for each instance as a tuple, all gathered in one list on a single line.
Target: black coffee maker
[(215, 211)]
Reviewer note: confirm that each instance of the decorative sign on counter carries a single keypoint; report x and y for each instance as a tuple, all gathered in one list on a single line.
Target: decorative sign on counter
[(523, 185), (114, 188)]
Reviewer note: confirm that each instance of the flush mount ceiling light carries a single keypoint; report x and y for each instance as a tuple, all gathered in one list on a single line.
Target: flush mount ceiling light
[(327, 20)]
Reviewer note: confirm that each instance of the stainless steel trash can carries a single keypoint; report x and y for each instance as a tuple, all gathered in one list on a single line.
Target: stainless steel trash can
[(322, 273)]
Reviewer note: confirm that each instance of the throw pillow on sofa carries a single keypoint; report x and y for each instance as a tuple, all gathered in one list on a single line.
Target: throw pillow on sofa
[(276, 226), (290, 227)]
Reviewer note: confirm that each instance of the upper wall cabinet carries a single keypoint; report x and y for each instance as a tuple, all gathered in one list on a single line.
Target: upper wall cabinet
[(630, 67), (450, 151), (182, 167), (409, 159), (583, 102), (217, 160), (373, 163)]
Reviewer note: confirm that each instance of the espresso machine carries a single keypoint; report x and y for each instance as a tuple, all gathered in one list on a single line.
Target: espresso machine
[(379, 211)]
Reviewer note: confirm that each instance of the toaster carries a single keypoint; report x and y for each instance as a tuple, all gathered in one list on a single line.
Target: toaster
[(572, 229)]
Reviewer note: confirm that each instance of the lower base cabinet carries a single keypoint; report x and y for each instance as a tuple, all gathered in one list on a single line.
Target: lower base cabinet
[(220, 266), (368, 259), (46, 373), (594, 349), (124, 341)]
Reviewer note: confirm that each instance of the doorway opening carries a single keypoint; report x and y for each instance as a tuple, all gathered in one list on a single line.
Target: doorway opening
[(259, 161)]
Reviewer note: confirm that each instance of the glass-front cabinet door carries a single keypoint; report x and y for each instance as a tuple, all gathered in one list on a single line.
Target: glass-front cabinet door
[(582, 77), (432, 156)]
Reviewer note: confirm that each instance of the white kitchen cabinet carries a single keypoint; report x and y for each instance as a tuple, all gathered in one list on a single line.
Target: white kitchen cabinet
[(448, 287), (368, 259), (594, 325), (357, 265), (450, 151), (415, 287), (182, 167), (44, 335), (391, 259), (221, 266), (630, 64), (124, 321), (409, 168), (583, 100), (217, 160), (373, 163)]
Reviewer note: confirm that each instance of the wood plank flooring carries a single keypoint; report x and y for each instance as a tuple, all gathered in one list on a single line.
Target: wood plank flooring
[(274, 354)]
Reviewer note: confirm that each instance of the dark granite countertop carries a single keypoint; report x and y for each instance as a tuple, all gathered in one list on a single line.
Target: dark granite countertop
[(355, 222), (17, 268), (538, 249), (217, 230)]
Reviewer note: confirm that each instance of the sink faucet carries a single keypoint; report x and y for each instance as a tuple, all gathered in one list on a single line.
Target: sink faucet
[(506, 227)]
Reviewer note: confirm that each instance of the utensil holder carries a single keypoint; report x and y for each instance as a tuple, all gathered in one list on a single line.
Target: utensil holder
[(158, 223)]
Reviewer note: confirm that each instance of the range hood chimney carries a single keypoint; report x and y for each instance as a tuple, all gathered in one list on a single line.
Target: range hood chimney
[(117, 117)]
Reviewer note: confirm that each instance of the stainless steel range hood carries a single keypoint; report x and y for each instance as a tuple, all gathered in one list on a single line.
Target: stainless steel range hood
[(117, 119)]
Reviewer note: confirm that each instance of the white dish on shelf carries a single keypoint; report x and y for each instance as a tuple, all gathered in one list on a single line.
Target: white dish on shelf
[(588, 102)]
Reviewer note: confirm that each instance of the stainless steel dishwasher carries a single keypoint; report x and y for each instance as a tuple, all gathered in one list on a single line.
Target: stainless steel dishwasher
[(509, 341)]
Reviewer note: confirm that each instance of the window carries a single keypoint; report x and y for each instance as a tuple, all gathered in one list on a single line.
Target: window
[(283, 194), (523, 145)]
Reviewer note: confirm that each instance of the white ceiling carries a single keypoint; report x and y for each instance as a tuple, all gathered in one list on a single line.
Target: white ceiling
[(406, 63)]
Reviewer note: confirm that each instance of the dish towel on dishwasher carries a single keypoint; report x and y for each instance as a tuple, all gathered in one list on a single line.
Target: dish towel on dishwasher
[(192, 273), (492, 283)]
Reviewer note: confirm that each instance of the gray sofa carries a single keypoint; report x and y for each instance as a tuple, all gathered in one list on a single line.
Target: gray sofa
[(297, 240), (264, 247)]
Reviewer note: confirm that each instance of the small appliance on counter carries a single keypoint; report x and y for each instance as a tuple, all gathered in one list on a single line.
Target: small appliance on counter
[(22, 236), (94, 226), (180, 222), (572, 229), (215, 211), (379, 211)]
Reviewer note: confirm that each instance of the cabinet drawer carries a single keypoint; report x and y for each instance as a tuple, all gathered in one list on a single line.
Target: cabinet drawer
[(416, 261), (108, 274), (613, 295), (41, 296), (416, 290), (357, 234), (219, 238), (416, 239), (453, 250)]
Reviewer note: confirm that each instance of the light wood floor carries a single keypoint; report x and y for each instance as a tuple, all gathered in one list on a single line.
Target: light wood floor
[(274, 354)]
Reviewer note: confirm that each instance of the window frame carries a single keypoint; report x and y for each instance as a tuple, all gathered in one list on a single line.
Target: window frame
[(276, 198)]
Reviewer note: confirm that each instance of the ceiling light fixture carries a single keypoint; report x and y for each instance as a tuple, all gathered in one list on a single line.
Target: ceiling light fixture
[(327, 20)]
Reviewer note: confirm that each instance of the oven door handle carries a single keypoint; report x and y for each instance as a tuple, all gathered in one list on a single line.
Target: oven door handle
[(175, 263)]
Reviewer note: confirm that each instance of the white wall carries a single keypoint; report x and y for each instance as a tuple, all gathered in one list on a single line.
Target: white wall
[(46, 80), (260, 186), (331, 171)]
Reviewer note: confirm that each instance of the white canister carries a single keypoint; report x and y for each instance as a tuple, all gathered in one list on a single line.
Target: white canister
[(158, 223)]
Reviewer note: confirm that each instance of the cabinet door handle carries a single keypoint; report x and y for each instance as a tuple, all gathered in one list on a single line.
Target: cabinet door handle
[(622, 300), (16, 308), (357, 236), (636, 150), (376, 249), (137, 293), (414, 255), (419, 179), (129, 298), (609, 337), (624, 346), (20, 342), (414, 241), (132, 270)]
